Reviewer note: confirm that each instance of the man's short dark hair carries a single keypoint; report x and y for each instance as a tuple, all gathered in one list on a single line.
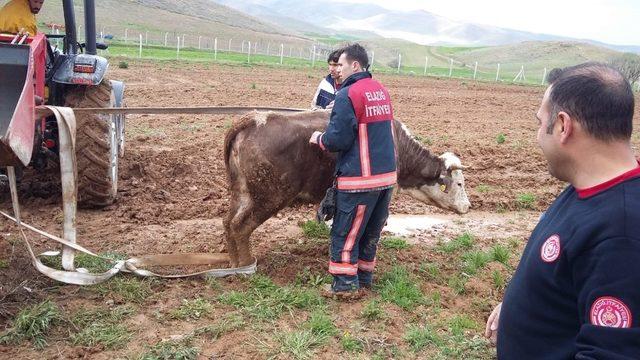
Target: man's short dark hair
[(597, 96), (355, 52), (334, 56)]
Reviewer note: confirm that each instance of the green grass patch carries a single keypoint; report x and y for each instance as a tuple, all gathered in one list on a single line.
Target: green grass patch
[(464, 241), (457, 284), (474, 261), (372, 311), (267, 301), (192, 309), (315, 230), (126, 288), (300, 344), (430, 270), (498, 280), (501, 138), (321, 324), (397, 286), (459, 323), (351, 343), (92, 263), (311, 278), (483, 188), (500, 254), (419, 337), (397, 243), (4, 264), (526, 201), (229, 323), (102, 327), (33, 324), (172, 350)]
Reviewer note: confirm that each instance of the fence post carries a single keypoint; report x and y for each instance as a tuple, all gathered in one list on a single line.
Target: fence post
[(290, 50), (268, 47), (126, 33), (178, 48), (229, 45), (184, 36), (140, 48), (313, 60), (399, 62), (450, 67), (498, 73), (373, 57), (242, 49), (281, 53), (249, 54), (146, 38), (475, 71), (544, 76), (426, 65), (165, 39), (215, 49), (199, 42)]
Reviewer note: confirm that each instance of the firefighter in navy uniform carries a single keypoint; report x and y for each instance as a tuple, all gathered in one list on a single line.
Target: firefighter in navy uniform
[(360, 130), (576, 292)]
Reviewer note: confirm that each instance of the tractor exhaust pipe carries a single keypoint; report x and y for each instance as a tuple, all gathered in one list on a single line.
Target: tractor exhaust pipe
[(90, 26), (71, 38)]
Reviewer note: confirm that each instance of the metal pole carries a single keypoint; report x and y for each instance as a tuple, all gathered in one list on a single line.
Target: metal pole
[(399, 62), (426, 65), (178, 49), (373, 56), (281, 53), (90, 25), (165, 38), (475, 71), (229, 44), (249, 53), (126, 34), (146, 38), (498, 73), (450, 67), (140, 48), (71, 40), (313, 60), (544, 76), (199, 42), (215, 49), (268, 47)]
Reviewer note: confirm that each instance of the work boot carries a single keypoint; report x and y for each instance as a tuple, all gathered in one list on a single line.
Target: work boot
[(348, 295)]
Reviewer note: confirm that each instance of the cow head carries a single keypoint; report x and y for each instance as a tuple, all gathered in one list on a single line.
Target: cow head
[(448, 191)]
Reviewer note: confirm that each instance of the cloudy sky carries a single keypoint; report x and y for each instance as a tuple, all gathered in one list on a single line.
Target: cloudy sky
[(610, 21)]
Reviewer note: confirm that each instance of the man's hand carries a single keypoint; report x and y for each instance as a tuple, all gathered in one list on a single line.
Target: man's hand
[(330, 106), (491, 330), (314, 137)]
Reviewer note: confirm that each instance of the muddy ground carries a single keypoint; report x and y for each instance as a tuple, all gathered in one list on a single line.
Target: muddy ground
[(173, 195)]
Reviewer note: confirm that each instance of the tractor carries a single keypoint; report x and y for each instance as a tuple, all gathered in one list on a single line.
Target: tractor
[(34, 72)]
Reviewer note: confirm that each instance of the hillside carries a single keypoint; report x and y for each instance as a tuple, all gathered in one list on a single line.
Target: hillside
[(191, 17)]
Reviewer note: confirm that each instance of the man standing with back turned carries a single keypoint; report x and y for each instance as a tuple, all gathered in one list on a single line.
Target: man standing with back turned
[(360, 130), (576, 292)]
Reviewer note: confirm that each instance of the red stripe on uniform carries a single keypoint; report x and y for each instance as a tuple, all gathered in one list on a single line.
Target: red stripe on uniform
[(353, 234), (365, 161), (367, 182), (368, 266), (342, 268)]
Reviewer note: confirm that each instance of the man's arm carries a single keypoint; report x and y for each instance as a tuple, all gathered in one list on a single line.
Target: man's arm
[(607, 277), (342, 129)]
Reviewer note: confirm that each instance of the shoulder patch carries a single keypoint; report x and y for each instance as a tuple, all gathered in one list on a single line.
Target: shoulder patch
[(550, 250), (610, 312)]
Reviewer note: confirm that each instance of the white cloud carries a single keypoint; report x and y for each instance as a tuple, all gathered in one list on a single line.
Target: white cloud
[(614, 21)]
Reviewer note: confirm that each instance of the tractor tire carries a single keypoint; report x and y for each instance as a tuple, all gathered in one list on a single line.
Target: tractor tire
[(96, 145)]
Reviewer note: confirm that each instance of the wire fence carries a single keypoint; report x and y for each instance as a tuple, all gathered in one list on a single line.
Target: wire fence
[(134, 43)]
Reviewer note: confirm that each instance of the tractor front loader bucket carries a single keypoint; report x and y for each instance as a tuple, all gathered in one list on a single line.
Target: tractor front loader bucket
[(17, 103)]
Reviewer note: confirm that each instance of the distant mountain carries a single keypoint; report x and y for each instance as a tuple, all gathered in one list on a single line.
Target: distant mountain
[(417, 26)]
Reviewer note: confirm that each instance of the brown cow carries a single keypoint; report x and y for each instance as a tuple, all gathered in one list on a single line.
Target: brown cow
[(270, 165)]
